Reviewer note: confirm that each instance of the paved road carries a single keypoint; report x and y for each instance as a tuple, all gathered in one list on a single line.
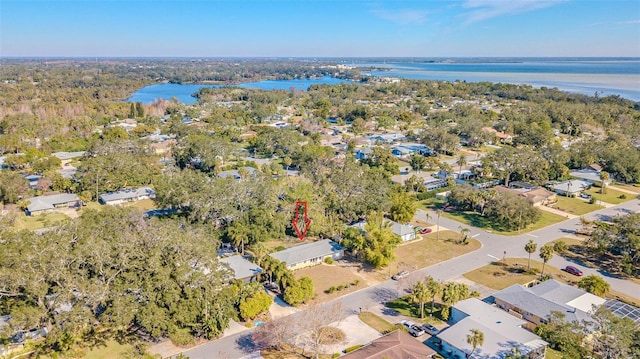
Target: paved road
[(493, 248)]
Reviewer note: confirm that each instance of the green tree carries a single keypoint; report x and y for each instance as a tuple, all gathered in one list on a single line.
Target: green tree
[(594, 284), (254, 305), (476, 339), (418, 162), (604, 177), (614, 337), (530, 248), (420, 294), (566, 337), (546, 253), (299, 292), (434, 288), (12, 186), (452, 293), (403, 207)]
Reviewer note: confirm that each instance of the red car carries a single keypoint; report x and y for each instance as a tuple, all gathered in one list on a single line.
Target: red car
[(426, 230), (573, 270)]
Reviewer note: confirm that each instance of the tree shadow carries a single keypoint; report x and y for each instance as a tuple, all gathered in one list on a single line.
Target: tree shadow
[(246, 344), (383, 295)]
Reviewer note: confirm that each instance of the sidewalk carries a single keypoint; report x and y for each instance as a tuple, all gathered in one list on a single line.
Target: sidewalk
[(166, 349)]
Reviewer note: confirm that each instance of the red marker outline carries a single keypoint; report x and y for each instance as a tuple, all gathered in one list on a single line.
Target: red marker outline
[(301, 209)]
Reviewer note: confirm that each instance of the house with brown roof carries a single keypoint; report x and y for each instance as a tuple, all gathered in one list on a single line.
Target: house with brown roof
[(395, 345)]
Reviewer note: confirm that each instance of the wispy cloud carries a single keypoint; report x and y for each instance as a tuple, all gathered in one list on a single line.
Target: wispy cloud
[(480, 10), (629, 22), (402, 16)]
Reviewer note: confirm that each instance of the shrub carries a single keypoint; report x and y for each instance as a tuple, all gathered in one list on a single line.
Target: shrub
[(182, 338), (328, 260), (335, 355), (279, 248), (622, 196), (249, 324), (330, 290), (254, 305), (340, 287), (475, 294), (592, 200), (355, 282), (352, 348)]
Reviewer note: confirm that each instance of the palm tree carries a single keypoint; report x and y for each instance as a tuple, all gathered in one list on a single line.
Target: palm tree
[(438, 213), (239, 235), (434, 288), (546, 253), (594, 284), (530, 247), (476, 339), (464, 231), (461, 162), (259, 251), (604, 177), (420, 294)]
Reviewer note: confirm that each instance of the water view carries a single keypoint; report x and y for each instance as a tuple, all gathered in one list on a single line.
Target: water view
[(184, 92), (607, 77)]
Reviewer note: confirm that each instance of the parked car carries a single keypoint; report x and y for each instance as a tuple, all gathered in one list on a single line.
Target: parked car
[(400, 275), (585, 195), (430, 329), (426, 230), (412, 328), (573, 270)]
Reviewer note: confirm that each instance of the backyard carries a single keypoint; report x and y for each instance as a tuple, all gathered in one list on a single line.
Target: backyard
[(22, 221)]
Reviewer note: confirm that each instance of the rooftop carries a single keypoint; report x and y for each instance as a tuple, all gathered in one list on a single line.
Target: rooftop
[(241, 267), (43, 203), (307, 251), (127, 194), (395, 345)]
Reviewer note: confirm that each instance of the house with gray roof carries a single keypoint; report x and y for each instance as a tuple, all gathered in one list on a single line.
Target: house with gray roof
[(66, 156), (243, 269), (502, 332), (127, 195), (309, 254), (536, 303), (406, 232), (570, 188), (44, 204), (590, 176), (235, 174)]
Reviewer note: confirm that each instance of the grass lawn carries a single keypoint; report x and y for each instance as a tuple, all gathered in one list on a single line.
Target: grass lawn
[(498, 277), (610, 196), (630, 187), (552, 354), (325, 276), (574, 205), (427, 251), (406, 307), (376, 322), (112, 349), (40, 221), (476, 220)]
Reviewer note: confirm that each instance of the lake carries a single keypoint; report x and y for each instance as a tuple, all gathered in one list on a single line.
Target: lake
[(183, 92), (585, 76)]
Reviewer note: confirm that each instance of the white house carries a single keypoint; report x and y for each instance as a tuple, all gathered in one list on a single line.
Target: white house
[(127, 195), (404, 231), (502, 332), (570, 188), (309, 254)]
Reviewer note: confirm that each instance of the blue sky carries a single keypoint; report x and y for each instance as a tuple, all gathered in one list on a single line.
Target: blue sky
[(320, 28)]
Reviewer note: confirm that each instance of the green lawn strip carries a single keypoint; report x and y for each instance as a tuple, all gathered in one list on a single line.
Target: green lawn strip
[(39, 221), (575, 206), (552, 354), (476, 220), (630, 187), (111, 349), (610, 196), (376, 322)]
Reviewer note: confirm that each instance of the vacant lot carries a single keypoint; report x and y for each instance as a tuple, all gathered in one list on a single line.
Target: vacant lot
[(110, 349), (428, 251), (476, 220), (326, 276), (574, 206)]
